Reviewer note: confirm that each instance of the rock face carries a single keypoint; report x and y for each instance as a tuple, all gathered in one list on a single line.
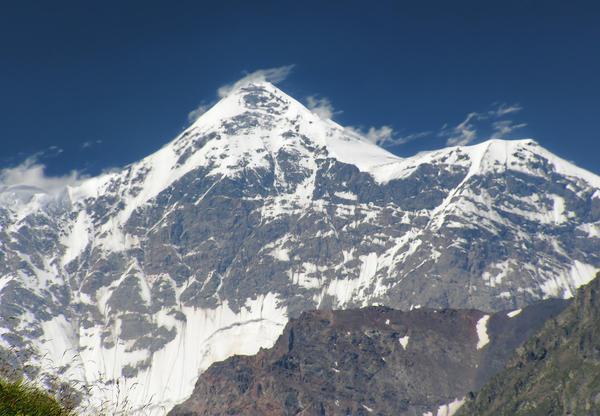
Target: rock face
[(556, 372), (139, 279), (376, 361)]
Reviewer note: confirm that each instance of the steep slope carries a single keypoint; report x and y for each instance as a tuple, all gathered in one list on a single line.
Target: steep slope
[(261, 210), (367, 361), (556, 372)]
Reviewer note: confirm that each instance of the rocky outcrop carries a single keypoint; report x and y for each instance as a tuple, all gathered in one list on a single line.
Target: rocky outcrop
[(556, 372), (376, 361)]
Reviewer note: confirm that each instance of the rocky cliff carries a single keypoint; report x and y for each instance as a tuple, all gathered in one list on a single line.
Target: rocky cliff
[(556, 372), (376, 361)]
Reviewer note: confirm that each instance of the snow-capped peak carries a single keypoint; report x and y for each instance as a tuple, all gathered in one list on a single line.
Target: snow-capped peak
[(247, 129), (523, 155), (255, 212), (258, 106), (256, 125)]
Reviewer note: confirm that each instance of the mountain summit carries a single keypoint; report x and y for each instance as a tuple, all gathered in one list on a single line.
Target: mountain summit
[(139, 279)]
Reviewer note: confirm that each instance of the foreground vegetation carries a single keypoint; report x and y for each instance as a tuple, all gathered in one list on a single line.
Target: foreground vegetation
[(21, 399)]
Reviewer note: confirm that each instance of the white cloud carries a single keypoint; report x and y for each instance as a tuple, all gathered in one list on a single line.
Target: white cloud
[(90, 143), (464, 133), (470, 129), (504, 109), (273, 75), (31, 173), (379, 135), (321, 106), (386, 136), (197, 112), (503, 128), (411, 137)]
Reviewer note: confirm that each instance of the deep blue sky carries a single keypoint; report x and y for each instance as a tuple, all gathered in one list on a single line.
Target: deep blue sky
[(127, 73)]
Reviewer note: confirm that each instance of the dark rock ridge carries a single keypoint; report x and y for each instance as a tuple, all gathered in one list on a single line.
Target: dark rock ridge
[(375, 361), (556, 372)]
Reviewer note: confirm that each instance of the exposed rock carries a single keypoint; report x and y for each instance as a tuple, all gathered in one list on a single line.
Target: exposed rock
[(556, 372), (376, 361)]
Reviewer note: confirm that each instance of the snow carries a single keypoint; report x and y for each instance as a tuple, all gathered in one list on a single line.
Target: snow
[(254, 148), (592, 230), (558, 209), (514, 313), (346, 290), (342, 144), (495, 273), (4, 280), (565, 284), (477, 156), (280, 254), (404, 341), (207, 336), (482, 334), (78, 238), (566, 168), (447, 409), (346, 195), (306, 276), (60, 346), (497, 156)]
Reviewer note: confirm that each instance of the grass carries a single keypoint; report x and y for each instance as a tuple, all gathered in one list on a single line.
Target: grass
[(21, 399)]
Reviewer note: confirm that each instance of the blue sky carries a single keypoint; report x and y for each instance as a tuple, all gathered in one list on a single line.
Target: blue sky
[(86, 86)]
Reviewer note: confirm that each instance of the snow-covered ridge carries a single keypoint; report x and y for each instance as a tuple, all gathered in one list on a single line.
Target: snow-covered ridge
[(278, 114), (490, 155), (166, 239)]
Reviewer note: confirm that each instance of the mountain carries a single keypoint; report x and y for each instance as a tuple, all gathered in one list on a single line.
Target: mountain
[(368, 361), (139, 279), (556, 372)]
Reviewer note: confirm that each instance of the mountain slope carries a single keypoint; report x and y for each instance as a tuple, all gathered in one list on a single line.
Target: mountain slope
[(261, 210), (556, 372), (368, 361)]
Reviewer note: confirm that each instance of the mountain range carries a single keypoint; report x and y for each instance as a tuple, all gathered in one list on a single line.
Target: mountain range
[(134, 282)]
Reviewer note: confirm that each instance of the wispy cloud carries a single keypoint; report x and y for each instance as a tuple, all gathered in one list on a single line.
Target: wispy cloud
[(89, 143), (31, 173), (411, 137), (321, 106), (503, 128), (384, 135), (462, 134), (273, 75), (375, 135), (478, 125), (197, 112), (380, 135), (503, 109)]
